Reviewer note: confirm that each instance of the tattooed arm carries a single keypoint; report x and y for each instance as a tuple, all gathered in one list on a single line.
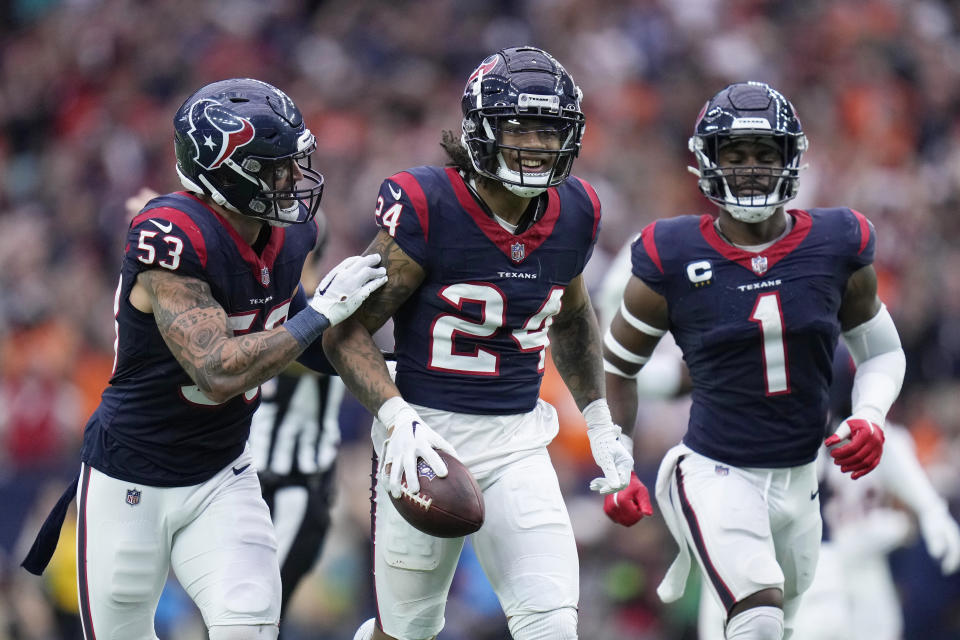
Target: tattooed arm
[(576, 346), (350, 346), (194, 327)]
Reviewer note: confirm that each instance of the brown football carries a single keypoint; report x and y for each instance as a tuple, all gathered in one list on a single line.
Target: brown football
[(449, 507)]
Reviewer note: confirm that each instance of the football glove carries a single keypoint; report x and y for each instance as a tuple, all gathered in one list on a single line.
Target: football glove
[(608, 449), (409, 439), (941, 535), (347, 285), (628, 506), (862, 449)]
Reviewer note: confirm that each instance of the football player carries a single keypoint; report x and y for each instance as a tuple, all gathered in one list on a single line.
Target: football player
[(208, 307), (484, 259), (756, 297), (853, 595)]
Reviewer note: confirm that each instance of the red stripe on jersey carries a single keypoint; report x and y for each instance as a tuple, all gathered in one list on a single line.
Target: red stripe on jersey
[(595, 200), (183, 221), (257, 263), (774, 254), (864, 229), (414, 191), (650, 244), (531, 238)]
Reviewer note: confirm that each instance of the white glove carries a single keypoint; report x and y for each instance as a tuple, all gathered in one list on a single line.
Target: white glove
[(410, 439), (942, 537), (607, 446), (347, 285)]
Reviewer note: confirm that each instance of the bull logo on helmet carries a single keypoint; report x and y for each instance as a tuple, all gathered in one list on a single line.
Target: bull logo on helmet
[(217, 132)]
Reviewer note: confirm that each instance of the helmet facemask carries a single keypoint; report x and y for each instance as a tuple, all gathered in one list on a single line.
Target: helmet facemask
[(284, 184), (756, 113), (750, 193), (500, 149)]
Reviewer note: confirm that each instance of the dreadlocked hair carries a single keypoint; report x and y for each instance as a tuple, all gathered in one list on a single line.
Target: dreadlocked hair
[(456, 153), (459, 159)]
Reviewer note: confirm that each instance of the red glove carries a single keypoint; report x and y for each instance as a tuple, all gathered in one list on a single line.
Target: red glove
[(628, 506), (863, 449)]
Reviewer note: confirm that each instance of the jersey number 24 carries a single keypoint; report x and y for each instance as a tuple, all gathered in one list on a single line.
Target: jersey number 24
[(446, 327)]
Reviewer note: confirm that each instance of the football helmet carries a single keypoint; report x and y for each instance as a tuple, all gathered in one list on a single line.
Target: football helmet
[(756, 110), (243, 143), (526, 91)]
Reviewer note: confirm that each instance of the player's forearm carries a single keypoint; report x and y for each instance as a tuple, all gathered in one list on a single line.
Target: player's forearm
[(195, 328), (360, 363), (229, 366), (622, 398), (578, 354)]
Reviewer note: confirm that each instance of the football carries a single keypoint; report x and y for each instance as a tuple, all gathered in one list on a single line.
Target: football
[(449, 507)]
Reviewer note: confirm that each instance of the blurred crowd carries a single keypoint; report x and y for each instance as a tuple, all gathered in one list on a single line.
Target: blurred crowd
[(88, 89)]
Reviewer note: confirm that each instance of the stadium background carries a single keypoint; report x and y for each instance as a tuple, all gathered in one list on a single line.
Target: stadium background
[(87, 93)]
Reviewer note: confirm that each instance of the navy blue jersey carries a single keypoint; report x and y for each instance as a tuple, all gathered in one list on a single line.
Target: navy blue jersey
[(757, 330), (153, 425), (471, 338)]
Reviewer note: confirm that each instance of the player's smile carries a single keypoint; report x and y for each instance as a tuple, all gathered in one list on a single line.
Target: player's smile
[(521, 140), (532, 162)]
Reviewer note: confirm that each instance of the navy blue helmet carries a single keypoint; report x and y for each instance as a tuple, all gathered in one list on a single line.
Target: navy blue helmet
[(243, 143), (522, 89), (755, 110)]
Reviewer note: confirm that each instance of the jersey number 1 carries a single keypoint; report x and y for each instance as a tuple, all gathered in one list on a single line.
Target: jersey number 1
[(768, 313)]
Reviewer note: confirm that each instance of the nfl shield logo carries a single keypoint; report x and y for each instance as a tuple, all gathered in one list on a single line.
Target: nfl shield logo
[(722, 470), (265, 276), (517, 251), (133, 497), (759, 264)]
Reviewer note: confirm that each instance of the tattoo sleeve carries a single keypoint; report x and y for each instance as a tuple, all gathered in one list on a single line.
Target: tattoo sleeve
[(350, 345), (194, 327), (578, 351)]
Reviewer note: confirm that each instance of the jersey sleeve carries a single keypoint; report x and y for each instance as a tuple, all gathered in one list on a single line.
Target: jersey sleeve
[(861, 239), (402, 212), (167, 238), (595, 209), (645, 259)]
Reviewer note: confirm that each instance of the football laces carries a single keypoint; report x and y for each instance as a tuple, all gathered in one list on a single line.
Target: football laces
[(417, 498)]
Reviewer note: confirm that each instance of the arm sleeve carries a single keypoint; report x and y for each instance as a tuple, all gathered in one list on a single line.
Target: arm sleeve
[(594, 208), (402, 212), (903, 475), (167, 238), (645, 260), (862, 240)]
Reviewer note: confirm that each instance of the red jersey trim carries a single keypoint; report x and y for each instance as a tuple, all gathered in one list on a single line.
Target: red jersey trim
[(864, 230), (531, 239), (255, 262), (594, 200), (650, 244), (183, 221), (406, 181), (774, 254)]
